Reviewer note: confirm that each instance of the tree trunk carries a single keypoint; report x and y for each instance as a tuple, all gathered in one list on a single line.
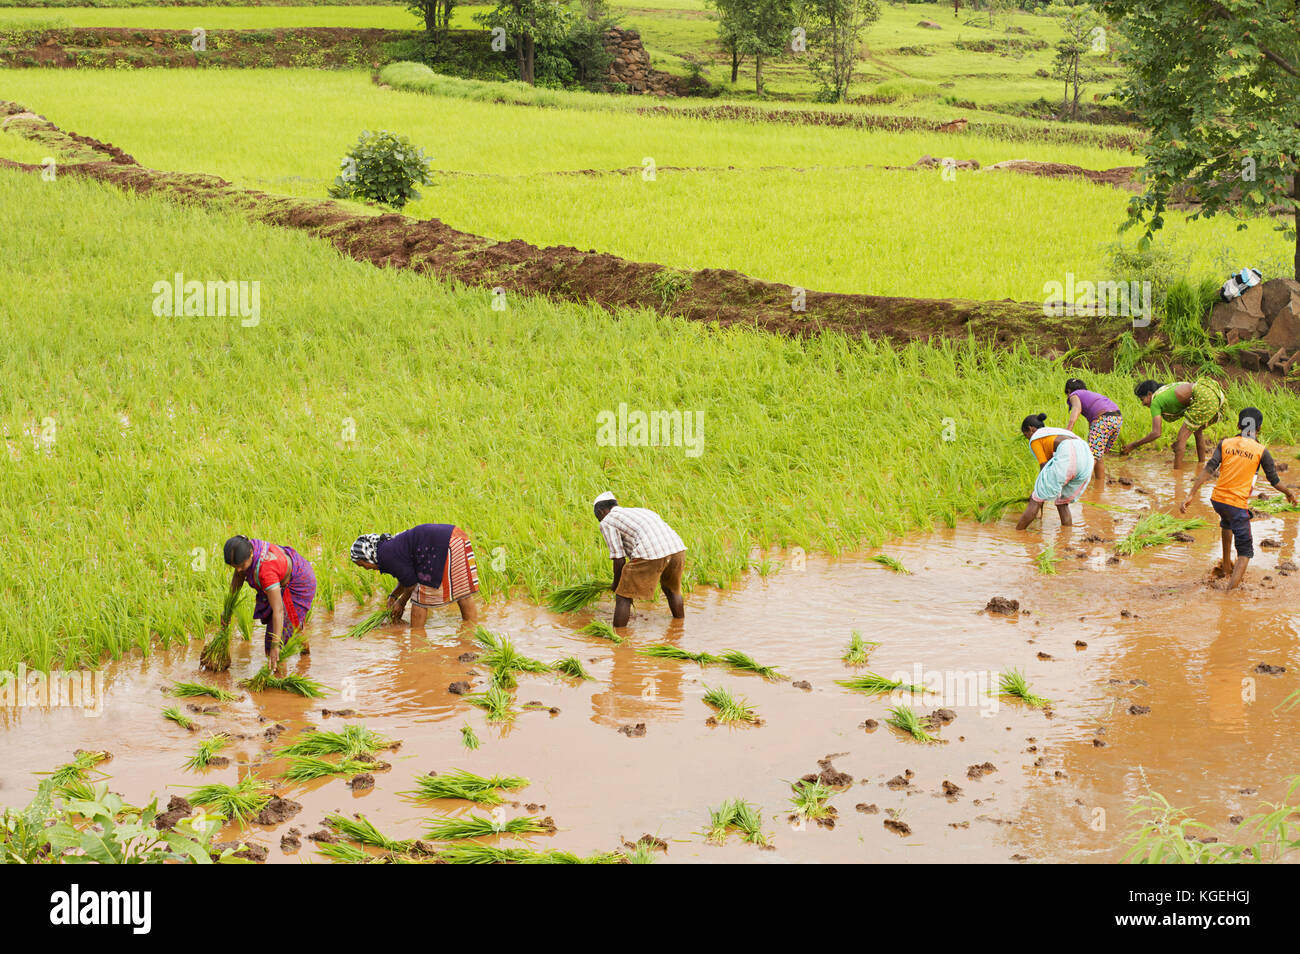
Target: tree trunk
[(530, 46), (735, 61), (519, 57), (758, 73), (1295, 194)]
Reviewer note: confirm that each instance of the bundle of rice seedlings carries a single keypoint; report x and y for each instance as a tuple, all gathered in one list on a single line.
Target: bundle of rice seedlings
[(1155, 529), (496, 702), (351, 741), (1276, 504), (78, 770), (207, 749), (486, 638), (344, 853), (903, 717), (662, 651), (571, 666), (1013, 684), (738, 814), (360, 829), (187, 690), (639, 854), (295, 645), (75, 792), (468, 738), (995, 510), (810, 799), (874, 684), (1046, 561), (175, 715), (477, 854), (502, 679), (743, 661), (477, 826), (368, 625), (309, 768), (598, 627), (892, 563), (570, 599), (503, 655), (239, 802), (729, 708), (293, 682), (459, 783), (859, 649), (216, 654)]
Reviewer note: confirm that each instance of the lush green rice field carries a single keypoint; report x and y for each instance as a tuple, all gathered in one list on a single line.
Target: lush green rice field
[(135, 441), (230, 18)]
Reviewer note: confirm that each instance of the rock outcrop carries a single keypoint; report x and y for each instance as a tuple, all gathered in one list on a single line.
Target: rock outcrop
[(1269, 311), (631, 66)]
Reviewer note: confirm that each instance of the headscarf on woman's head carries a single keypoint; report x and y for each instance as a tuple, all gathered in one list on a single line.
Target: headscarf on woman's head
[(366, 547)]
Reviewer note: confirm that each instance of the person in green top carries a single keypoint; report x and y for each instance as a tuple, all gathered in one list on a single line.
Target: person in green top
[(1197, 405)]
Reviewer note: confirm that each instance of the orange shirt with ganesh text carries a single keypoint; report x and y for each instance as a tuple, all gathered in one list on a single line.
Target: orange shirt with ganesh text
[(1239, 459)]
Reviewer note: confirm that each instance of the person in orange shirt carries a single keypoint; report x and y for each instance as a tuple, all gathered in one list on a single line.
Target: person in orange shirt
[(1236, 461)]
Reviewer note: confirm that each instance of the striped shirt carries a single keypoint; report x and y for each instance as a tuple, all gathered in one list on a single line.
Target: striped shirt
[(638, 533)]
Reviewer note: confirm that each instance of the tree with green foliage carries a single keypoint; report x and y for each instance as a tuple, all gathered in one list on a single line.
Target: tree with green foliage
[(757, 28), (1070, 66), (835, 29), (1218, 86), (731, 30), (585, 44), (529, 23), (436, 14)]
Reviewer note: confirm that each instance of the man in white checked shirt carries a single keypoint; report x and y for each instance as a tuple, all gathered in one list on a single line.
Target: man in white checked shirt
[(646, 551)]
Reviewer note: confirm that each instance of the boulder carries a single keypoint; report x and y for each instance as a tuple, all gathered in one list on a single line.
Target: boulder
[(1285, 330), (1228, 317), (1276, 294), (929, 25)]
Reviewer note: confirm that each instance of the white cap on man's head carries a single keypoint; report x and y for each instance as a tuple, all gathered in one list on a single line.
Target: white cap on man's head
[(603, 498)]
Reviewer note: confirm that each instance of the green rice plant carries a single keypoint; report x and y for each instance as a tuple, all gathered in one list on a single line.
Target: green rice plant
[(661, 651), (459, 783), (186, 690), (239, 802), (873, 684), (736, 814), (1155, 529), (296, 644), (859, 650), (78, 770), (1013, 684), (477, 826), (468, 738), (310, 768), (502, 655), (350, 741), (1046, 561), (1274, 504), (746, 663), (75, 791), (904, 718), (502, 679), (208, 748), (602, 629), (368, 625), (479, 854), (639, 854), (571, 666), (345, 853), (293, 682), (182, 720), (216, 654), (570, 599), (486, 638), (496, 702), (810, 799), (995, 510), (891, 563), (729, 708), (360, 829)]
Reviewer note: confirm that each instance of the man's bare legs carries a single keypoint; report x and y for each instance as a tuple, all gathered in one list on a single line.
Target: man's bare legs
[(468, 609), (1064, 511), (622, 611)]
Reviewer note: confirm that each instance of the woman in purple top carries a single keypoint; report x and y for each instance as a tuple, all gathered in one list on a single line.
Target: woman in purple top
[(1103, 417), (432, 563)]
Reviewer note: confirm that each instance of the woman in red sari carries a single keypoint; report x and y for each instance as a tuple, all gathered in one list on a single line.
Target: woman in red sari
[(285, 585)]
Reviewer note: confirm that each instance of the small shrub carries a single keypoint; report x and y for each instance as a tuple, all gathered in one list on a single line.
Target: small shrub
[(382, 167)]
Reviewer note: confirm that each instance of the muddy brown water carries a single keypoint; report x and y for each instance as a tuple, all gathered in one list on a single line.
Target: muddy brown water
[(1055, 794)]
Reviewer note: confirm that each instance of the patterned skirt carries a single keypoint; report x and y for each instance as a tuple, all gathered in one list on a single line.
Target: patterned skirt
[(459, 575)]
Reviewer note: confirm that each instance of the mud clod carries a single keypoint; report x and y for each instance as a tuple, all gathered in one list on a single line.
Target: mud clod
[(867, 809), (339, 713), (942, 716), (636, 731), (361, 783), (977, 772), (871, 725), (897, 782), (1270, 670), (324, 836), (246, 850), (951, 789), (829, 775), (802, 684), (1002, 606), (290, 843), (277, 810), (898, 827), (177, 808), (650, 841), (467, 657), (459, 688)]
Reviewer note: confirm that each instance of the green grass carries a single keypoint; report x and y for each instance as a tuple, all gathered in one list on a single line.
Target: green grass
[(459, 783), (477, 826), (1013, 684), (662, 651), (859, 650), (873, 684), (207, 749), (1155, 529), (238, 803), (743, 482), (173, 714), (728, 707), (736, 815), (891, 563), (351, 741), (576, 596), (184, 690), (602, 630), (906, 720), (571, 666), (743, 662)]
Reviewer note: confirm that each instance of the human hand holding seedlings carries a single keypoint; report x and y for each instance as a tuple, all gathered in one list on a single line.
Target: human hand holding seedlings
[(275, 631)]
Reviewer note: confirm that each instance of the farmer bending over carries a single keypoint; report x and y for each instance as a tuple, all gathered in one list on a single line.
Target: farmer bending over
[(1198, 405), (1064, 468), (1103, 417), (285, 586), (1236, 460), (656, 551), (433, 564)]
